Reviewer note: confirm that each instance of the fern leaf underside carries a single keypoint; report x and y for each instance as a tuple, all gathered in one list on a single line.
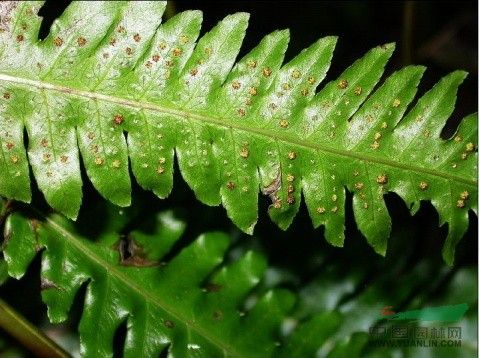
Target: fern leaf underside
[(115, 89)]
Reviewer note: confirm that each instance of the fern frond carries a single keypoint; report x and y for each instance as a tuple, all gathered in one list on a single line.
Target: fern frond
[(199, 303), (236, 129)]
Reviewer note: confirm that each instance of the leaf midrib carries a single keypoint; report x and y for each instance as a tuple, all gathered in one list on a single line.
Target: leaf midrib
[(112, 270), (222, 122)]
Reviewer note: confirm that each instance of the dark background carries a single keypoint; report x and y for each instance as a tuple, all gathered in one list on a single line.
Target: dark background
[(441, 35)]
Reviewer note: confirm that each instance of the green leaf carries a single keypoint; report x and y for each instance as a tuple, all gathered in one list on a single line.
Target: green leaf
[(305, 340), (198, 303), (109, 88), (20, 252)]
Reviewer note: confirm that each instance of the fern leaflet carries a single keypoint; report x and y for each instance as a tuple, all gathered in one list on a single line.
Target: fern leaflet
[(236, 129)]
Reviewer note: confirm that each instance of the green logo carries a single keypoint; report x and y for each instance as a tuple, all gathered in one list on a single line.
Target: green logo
[(449, 313)]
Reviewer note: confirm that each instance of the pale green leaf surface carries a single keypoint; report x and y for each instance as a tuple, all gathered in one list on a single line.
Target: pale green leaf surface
[(112, 90)]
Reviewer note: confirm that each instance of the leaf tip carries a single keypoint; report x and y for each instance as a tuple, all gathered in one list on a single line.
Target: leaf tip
[(192, 15), (448, 255), (250, 229), (283, 34), (332, 39), (236, 19), (388, 47), (460, 74)]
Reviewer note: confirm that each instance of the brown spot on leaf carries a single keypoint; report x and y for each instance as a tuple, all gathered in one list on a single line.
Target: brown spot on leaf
[(81, 41), (343, 84), (290, 199), (46, 157), (272, 188), (20, 38), (162, 45), (359, 185), (169, 324), (213, 287), (6, 95), (296, 74), (58, 41), (244, 152), (217, 315), (118, 119), (132, 254), (382, 179), (251, 63), (137, 38), (470, 147)]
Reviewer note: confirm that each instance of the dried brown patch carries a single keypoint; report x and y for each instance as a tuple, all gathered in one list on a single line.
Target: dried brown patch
[(132, 254)]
